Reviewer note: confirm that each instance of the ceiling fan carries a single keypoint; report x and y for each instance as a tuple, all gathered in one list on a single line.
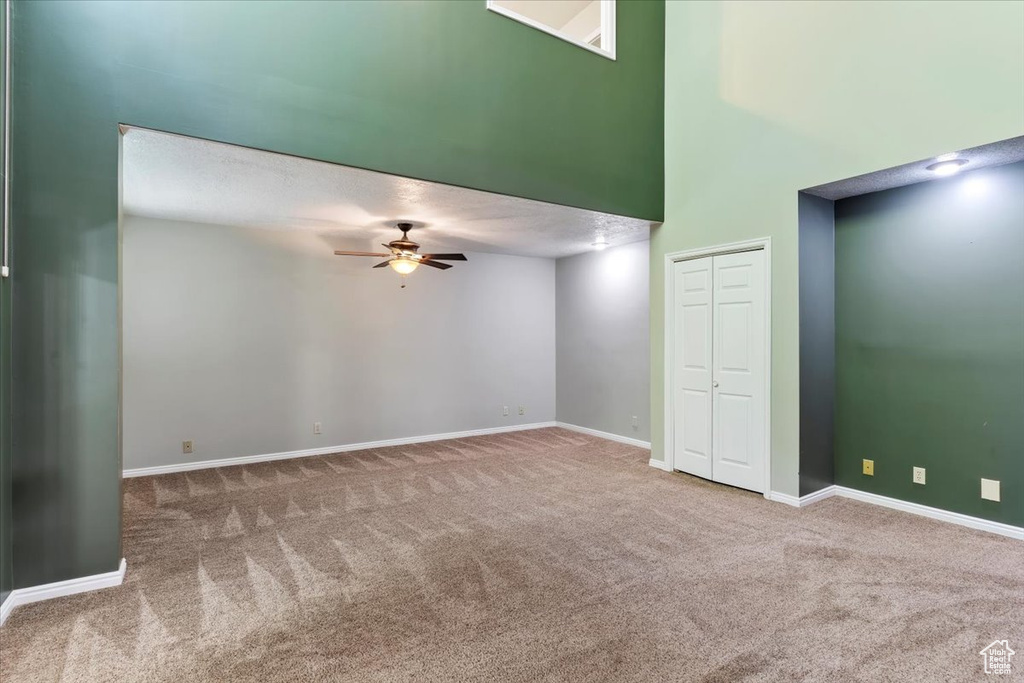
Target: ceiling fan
[(405, 256)]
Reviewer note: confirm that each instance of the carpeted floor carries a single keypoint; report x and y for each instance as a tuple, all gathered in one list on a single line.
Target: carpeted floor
[(530, 556)]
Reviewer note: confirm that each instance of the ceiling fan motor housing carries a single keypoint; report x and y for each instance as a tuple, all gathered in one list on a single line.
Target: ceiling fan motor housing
[(404, 245), (405, 252)]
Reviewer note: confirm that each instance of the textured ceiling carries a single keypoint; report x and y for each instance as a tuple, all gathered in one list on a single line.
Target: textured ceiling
[(181, 178), (994, 154)]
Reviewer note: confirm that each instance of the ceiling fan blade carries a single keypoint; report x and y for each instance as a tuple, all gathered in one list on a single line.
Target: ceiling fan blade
[(445, 257), (435, 264), (383, 263), (359, 253)]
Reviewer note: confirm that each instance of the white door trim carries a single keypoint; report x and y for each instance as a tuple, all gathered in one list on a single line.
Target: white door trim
[(765, 244)]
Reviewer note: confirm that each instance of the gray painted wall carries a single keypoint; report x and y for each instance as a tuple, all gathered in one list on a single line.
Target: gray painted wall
[(603, 340), (240, 338), (817, 343)]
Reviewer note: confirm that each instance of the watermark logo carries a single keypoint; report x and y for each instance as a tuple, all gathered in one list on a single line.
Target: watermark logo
[(997, 658)]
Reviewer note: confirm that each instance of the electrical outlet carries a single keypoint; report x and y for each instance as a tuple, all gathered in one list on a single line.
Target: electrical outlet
[(186, 446), (504, 411), (522, 410), (990, 489), (919, 475), (316, 427), (636, 422), (869, 467)]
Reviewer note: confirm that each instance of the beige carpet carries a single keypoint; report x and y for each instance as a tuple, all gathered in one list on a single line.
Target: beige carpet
[(530, 556)]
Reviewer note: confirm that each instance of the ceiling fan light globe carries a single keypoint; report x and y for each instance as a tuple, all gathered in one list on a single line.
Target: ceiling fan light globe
[(403, 266)]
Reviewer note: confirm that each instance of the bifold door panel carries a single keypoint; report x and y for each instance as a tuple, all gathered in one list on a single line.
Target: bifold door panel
[(738, 446), (692, 369), (719, 369)]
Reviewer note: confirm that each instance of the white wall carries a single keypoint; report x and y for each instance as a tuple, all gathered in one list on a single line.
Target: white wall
[(583, 24), (241, 338), (603, 340)]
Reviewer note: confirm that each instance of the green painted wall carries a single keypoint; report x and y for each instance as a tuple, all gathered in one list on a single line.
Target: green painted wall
[(6, 576), (764, 99), (440, 90), (930, 341)]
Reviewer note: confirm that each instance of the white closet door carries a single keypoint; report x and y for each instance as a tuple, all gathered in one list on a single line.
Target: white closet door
[(738, 446), (692, 366)]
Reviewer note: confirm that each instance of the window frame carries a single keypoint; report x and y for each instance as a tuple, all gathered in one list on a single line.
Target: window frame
[(606, 30)]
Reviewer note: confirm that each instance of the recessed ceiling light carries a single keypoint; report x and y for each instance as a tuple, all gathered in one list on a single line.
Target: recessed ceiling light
[(946, 167), (600, 244), (946, 157)]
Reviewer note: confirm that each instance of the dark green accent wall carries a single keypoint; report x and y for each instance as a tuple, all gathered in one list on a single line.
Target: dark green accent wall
[(6, 577), (930, 341), (445, 91), (816, 234)]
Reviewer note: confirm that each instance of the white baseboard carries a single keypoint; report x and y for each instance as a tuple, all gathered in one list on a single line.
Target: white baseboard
[(605, 435), (784, 498), (802, 501), (660, 464), (326, 450), (934, 513), (902, 505), (821, 494), (5, 608), (48, 591)]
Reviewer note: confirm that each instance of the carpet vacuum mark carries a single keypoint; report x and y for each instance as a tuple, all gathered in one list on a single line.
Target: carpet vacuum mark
[(528, 556)]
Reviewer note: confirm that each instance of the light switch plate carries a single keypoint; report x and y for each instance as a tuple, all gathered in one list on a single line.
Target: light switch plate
[(990, 489)]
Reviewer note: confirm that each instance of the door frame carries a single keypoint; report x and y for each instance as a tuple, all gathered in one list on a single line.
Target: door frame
[(760, 244)]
